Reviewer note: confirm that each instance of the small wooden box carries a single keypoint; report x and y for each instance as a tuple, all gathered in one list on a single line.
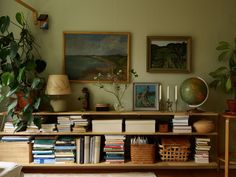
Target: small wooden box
[(163, 127), (19, 152)]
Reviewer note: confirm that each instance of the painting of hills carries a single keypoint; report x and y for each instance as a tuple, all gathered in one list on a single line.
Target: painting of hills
[(87, 54)]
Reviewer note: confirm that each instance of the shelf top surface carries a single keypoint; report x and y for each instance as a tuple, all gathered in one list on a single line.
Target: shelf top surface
[(135, 113)]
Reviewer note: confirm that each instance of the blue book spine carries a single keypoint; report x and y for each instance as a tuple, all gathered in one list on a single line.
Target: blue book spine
[(44, 161)]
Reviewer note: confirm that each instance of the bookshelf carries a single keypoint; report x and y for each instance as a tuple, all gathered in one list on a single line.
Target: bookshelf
[(128, 165)]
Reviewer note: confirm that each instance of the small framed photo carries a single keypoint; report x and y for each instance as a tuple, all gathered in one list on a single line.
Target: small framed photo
[(169, 54), (145, 96)]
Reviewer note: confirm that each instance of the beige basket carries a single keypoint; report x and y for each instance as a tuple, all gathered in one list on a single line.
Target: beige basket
[(174, 149), (143, 153)]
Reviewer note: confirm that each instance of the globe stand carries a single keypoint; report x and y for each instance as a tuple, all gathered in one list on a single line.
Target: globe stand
[(195, 110)]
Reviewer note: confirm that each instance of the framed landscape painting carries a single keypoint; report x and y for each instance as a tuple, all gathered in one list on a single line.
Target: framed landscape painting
[(169, 54), (145, 96), (88, 53)]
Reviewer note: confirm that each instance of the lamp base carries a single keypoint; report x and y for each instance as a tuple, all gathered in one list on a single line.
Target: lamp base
[(59, 105)]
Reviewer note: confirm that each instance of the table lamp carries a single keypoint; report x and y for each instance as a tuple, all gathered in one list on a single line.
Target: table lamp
[(57, 87)]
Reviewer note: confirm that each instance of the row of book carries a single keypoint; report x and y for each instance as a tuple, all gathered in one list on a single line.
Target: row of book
[(114, 149), (73, 123), (82, 150), (181, 124), (202, 148), (87, 149)]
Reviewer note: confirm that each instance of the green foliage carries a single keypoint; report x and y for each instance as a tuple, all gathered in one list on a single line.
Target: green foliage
[(223, 75), (19, 70)]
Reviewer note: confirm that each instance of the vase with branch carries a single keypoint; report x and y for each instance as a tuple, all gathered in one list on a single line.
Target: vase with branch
[(114, 86)]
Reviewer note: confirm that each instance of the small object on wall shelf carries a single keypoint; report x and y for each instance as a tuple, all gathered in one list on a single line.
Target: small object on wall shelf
[(43, 21), (102, 107), (42, 18)]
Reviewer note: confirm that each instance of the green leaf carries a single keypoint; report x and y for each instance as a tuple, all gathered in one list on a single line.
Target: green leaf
[(35, 83), (232, 63), (4, 23), (12, 91), (21, 126), (221, 71), (30, 65), (228, 85), (21, 75), (2, 97), (38, 121), (15, 120), (28, 117), (223, 45), (27, 108), (14, 49), (7, 78), (223, 56), (37, 103), (20, 19), (12, 105)]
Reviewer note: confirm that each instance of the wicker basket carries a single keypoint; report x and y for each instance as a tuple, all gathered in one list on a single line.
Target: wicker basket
[(143, 153), (174, 149)]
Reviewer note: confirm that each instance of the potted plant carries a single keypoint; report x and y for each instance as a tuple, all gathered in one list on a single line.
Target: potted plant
[(19, 71), (225, 76)]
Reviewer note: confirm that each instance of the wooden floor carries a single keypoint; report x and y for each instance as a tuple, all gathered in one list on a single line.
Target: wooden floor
[(193, 173)]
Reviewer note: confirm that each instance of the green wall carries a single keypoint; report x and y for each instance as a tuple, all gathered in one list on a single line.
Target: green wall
[(206, 21)]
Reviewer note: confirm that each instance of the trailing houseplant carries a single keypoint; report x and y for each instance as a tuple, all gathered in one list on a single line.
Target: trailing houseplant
[(225, 76), (19, 71)]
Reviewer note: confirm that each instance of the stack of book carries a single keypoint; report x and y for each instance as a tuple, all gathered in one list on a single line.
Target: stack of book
[(181, 124), (8, 127), (78, 123), (43, 150), (88, 149), (114, 148), (65, 150), (64, 124), (16, 138), (202, 150), (108, 126), (48, 127)]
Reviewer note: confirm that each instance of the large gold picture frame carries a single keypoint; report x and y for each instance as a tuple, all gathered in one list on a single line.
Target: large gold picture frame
[(88, 53)]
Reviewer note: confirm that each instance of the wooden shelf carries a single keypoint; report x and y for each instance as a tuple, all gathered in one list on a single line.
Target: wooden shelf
[(127, 165), (94, 133), (126, 113)]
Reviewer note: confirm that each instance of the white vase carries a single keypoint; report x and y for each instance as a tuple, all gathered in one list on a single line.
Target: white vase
[(118, 106)]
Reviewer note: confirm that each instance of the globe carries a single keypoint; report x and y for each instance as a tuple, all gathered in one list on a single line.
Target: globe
[(194, 91)]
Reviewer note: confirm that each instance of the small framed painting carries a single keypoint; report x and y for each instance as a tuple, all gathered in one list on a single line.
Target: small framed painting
[(145, 96), (88, 53), (169, 54)]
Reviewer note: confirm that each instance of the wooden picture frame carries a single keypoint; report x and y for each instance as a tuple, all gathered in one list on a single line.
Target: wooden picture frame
[(145, 96), (169, 54), (88, 53)]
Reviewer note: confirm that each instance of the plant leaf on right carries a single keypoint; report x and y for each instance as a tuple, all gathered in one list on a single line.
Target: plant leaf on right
[(224, 75)]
